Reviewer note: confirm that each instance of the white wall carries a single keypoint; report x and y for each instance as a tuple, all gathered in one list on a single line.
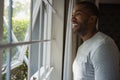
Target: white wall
[(57, 36)]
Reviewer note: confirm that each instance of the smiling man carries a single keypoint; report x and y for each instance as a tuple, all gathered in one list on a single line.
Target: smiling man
[(98, 56)]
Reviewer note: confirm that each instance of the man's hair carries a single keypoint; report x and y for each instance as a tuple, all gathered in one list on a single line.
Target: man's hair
[(90, 6)]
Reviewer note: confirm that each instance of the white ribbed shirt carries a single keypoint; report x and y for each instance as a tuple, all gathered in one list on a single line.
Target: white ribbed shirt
[(97, 59)]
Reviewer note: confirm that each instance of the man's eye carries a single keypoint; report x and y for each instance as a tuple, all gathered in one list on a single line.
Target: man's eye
[(78, 14)]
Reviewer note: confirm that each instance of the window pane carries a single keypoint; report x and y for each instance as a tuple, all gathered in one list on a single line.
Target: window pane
[(20, 25), (20, 22)]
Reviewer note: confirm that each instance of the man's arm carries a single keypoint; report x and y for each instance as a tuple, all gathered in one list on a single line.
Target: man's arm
[(105, 61)]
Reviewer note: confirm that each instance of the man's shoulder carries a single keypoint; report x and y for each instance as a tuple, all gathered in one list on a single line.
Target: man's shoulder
[(101, 38)]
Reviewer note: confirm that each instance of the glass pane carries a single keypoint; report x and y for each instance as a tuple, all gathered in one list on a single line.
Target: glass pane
[(21, 17), (18, 68), (20, 24), (14, 54)]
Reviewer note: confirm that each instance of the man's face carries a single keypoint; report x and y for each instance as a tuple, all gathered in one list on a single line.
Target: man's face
[(80, 19)]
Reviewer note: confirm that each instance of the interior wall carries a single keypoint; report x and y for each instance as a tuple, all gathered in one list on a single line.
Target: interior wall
[(109, 21), (110, 1), (57, 42)]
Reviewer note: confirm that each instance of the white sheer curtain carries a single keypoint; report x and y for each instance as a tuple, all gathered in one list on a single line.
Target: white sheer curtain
[(68, 46)]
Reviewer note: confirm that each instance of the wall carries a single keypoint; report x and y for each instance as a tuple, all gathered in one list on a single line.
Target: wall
[(109, 21), (57, 36), (109, 1)]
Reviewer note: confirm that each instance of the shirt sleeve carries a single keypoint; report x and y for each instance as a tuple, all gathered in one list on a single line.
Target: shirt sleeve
[(105, 61)]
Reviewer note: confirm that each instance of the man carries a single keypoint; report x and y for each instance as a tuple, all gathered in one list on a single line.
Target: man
[(98, 56)]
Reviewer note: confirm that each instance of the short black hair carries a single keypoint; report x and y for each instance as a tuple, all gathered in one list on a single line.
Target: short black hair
[(89, 5)]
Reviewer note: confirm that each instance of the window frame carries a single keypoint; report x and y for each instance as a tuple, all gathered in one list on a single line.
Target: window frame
[(56, 47)]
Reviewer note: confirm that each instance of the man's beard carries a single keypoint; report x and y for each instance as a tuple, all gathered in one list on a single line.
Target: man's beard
[(82, 29)]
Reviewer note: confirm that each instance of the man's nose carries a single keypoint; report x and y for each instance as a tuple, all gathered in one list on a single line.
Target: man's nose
[(73, 18)]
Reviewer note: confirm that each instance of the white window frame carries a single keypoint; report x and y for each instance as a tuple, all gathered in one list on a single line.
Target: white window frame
[(56, 40), (23, 49), (46, 22)]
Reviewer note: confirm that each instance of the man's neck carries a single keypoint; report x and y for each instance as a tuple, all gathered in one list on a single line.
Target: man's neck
[(88, 35)]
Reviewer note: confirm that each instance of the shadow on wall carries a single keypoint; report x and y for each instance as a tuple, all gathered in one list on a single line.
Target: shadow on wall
[(109, 21)]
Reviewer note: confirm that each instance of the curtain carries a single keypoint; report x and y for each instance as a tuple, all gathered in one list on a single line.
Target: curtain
[(67, 74)]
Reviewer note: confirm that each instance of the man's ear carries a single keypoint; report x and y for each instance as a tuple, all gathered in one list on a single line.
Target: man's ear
[(92, 19)]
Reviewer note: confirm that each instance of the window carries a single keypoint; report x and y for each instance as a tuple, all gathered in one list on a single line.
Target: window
[(16, 22), (19, 18), (40, 53), (18, 34), (42, 39)]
